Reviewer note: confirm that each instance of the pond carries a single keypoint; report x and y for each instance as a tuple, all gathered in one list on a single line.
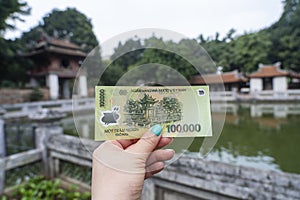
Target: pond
[(259, 135), (264, 136)]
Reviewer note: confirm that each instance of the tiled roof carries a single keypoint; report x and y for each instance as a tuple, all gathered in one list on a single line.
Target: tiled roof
[(56, 50), (226, 77), (63, 43), (269, 71), (57, 46), (66, 51)]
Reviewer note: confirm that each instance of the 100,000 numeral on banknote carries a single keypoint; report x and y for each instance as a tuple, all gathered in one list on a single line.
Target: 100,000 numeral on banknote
[(126, 112)]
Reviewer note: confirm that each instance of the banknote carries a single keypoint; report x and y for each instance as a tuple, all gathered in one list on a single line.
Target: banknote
[(126, 112)]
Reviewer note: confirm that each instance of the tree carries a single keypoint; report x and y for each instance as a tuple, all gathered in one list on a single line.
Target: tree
[(132, 107), (72, 25), (125, 55), (177, 55), (291, 7), (11, 68), (220, 50), (279, 42), (290, 50), (173, 108), (131, 50), (30, 38), (67, 24), (11, 10), (285, 36), (250, 50)]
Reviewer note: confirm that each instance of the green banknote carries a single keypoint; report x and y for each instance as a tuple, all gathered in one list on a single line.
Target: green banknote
[(126, 112)]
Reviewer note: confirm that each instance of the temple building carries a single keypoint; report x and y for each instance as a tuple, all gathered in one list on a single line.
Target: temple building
[(268, 83), (271, 77), (233, 80), (56, 65)]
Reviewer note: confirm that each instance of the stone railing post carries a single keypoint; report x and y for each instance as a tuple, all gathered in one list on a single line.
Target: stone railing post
[(42, 134), (2, 156), (148, 190)]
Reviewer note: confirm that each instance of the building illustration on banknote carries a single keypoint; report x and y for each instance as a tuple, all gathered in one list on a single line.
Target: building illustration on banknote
[(147, 111)]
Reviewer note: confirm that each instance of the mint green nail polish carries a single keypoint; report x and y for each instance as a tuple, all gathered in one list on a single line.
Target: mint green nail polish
[(156, 129)]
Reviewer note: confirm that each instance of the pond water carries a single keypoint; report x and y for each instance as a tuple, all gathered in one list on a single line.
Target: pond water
[(265, 136), (259, 135)]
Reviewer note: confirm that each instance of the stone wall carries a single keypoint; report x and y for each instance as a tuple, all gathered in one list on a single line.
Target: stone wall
[(187, 178), (10, 96), (193, 178)]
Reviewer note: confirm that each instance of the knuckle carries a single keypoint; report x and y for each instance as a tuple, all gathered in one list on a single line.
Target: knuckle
[(151, 141)]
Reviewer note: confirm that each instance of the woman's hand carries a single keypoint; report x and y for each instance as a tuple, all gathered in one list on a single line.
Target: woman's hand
[(120, 166)]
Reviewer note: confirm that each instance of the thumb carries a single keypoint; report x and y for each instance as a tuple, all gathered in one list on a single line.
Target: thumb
[(148, 142)]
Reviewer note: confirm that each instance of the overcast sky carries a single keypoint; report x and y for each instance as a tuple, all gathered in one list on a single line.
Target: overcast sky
[(188, 17)]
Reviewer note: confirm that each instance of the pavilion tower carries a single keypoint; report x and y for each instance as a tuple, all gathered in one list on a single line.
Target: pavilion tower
[(57, 62)]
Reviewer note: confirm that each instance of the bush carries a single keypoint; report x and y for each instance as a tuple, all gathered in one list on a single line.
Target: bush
[(3, 197), (40, 188), (36, 95), (7, 84)]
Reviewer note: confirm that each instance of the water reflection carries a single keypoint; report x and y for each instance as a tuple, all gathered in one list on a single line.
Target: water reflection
[(260, 135), (18, 136), (85, 125), (277, 110)]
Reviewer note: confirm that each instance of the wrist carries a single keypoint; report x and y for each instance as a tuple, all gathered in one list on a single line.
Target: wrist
[(113, 184)]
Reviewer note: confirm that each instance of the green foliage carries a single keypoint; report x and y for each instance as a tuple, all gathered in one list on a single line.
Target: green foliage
[(4, 197), (11, 10), (221, 51), (77, 172), (11, 69), (12, 65), (29, 38), (244, 52), (65, 24), (121, 61), (169, 59), (136, 52), (181, 56), (36, 95), (131, 46), (173, 107), (7, 84), (69, 24), (279, 42), (250, 50), (285, 36), (41, 189)]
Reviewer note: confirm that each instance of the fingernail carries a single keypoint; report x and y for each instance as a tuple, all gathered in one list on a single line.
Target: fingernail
[(170, 150), (156, 129)]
